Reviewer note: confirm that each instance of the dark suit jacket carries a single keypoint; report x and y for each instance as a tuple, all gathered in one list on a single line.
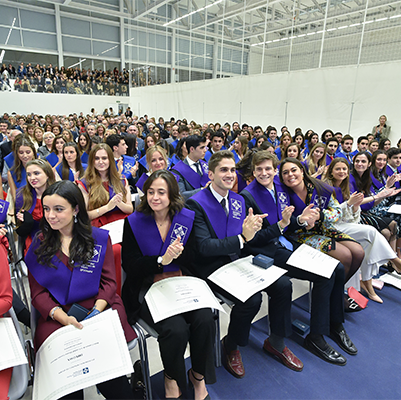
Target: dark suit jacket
[(266, 240), (209, 252), (186, 189)]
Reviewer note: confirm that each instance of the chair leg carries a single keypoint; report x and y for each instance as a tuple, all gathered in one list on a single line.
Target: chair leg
[(143, 353), (217, 344)]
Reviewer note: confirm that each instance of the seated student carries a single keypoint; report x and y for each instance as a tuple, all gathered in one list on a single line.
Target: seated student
[(362, 145), (394, 163), (257, 133), (315, 162), (272, 136), (126, 165), (67, 240), (193, 171), (285, 141), (373, 146), (216, 143), (71, 167), (331, 149), (183, 132), (151, 252), (6, 299), (220, 232), (264, 195), (346, 148), (23, 151)]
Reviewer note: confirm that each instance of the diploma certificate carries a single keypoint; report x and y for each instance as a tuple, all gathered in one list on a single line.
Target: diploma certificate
[(179, 294), (243, 279), (115, 229), (71, 359), (12, 353), (395, 209), (309, 259)]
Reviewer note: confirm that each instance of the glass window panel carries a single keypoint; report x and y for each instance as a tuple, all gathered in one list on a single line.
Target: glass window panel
[(75, 27), (39, 21), (105, 32), (39, 40)]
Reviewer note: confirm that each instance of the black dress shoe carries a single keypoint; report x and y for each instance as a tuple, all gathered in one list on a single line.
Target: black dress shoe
[(328, 354), (343, 340)]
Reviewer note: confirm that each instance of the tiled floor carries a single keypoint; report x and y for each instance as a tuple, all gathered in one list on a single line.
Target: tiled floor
[(299, 289)]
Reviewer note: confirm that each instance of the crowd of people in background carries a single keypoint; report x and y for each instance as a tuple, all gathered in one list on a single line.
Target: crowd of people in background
[(73, 80), (330, 186)]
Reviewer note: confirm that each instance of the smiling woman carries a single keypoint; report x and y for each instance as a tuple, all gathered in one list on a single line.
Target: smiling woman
[(55, 261)]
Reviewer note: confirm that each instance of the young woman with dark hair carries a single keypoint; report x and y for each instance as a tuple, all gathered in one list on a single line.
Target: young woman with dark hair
[(71, 168), (151, 252), (58, 257)]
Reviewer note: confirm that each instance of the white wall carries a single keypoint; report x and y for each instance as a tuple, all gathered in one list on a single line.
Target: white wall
[(335, 98), (56, 103), (346, 99)]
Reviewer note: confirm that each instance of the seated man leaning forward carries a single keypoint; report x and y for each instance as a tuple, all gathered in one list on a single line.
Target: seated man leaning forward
[(265, 194), (221, 232)]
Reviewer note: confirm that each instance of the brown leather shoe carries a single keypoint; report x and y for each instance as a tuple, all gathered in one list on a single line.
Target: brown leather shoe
[(287, 357), (232, 361)]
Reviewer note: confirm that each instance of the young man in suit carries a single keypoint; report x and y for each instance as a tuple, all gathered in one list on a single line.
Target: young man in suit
[(193, 171), (221, 232), (266, 195)]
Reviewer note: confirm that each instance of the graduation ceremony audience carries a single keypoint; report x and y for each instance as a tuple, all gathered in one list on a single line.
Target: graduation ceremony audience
[(238, 190)]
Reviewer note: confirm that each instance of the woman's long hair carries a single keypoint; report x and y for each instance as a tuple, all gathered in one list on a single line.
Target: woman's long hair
[(364, 182), (54, 150), (98, 195), (316, 183), (376, 173), (19, 141), (312, 167), (27, 190), (82, 243), (344, 185), (65, 169), (88, 143)]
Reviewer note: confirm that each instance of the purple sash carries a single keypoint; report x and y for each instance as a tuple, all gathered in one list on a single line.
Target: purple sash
[(195, 180), (266, 202), (390, 172), (3, 210), (222, 225), (67, 286), (52, 158), (320, 201), (148, 236), (375, 182), (19, 201), (141, 181), (339, 195), (241, 182)]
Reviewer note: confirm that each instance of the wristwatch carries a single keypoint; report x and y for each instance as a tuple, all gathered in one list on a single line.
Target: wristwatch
[(303, 224), (159, 262)]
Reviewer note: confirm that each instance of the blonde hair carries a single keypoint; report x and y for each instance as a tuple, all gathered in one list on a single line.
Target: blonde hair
[(151, 151), (310, 164), (98, 195)]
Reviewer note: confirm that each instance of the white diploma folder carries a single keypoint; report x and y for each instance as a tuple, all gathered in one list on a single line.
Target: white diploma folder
[(12, 353), (392, 279), (115, 229), (395, 209), (177, 295), (243, 279), (309, 259), (71, 359)]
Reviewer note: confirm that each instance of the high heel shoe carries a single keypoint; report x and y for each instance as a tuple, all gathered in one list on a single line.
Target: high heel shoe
[(373, 297), (391, 266), (199, 380), (171, 379)]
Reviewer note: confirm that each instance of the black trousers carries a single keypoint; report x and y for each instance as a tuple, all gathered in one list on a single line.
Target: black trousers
[(196, 328), (243, 313), (327, 294), (118, 388)]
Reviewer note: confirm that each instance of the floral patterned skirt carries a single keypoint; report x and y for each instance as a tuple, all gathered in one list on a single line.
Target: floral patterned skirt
[(323, 239)]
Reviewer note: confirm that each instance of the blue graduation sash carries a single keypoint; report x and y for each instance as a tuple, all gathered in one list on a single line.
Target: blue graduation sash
[(148, 236), (52, 158), (68, 286), (222, 225), (195, 180)]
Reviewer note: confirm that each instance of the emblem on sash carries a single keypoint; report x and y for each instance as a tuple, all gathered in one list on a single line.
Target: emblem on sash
[(97, 251), (127, 166), (1, 207), (320, 201), (283, 200), (236, 208), (205, 167), (178, 230)]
